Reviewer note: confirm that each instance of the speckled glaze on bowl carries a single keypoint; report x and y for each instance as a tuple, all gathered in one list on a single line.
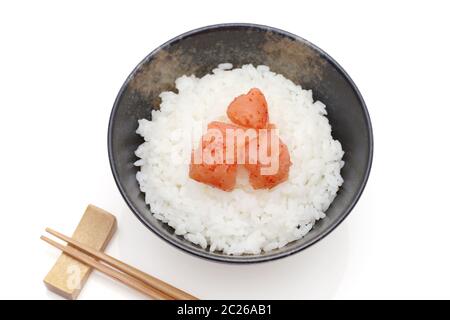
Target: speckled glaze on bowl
[(198, 52)]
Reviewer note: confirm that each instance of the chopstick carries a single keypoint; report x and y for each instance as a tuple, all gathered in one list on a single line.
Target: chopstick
[(131, 271), (129, 276), (122, 277)]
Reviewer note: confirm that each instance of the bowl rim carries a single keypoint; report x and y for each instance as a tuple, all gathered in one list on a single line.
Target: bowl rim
[(243, 258)]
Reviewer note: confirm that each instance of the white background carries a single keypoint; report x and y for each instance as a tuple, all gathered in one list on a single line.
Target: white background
[(61, 66)]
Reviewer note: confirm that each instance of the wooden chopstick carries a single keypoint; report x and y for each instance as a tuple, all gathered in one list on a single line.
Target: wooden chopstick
[(158, 284), (122, 277)]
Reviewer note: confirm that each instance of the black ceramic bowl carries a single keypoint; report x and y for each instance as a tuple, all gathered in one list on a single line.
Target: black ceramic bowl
[(198, 52)]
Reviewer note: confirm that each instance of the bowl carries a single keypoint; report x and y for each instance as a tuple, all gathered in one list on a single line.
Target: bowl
[(198, 52)]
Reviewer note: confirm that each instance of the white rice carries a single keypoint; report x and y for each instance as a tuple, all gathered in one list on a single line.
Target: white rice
[(244, 221)]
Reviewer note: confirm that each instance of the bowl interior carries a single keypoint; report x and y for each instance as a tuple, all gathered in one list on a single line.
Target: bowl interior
[(198, 52)]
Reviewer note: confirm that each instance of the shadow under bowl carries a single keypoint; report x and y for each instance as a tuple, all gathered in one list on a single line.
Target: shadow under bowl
[(198, 52)]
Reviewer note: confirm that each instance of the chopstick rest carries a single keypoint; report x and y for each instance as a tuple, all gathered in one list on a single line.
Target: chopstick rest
[(68, 275)]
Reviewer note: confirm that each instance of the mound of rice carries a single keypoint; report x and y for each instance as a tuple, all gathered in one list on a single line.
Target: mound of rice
[(244, 221)]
